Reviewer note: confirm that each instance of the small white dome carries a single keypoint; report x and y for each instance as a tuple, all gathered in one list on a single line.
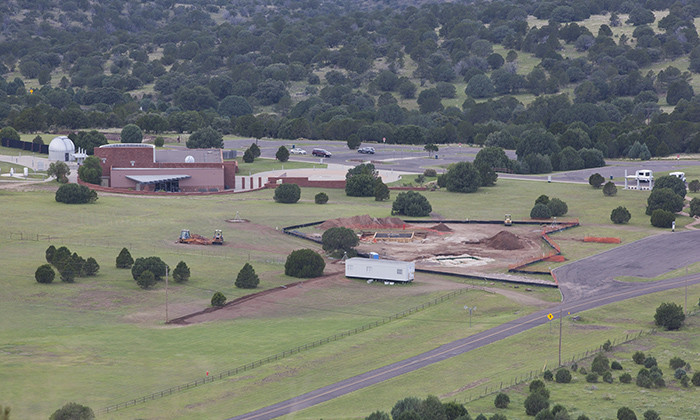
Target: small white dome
[(61, 148), (189, 159)]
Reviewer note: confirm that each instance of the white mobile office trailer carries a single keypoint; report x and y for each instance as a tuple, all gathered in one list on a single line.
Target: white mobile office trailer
[(385, 270)]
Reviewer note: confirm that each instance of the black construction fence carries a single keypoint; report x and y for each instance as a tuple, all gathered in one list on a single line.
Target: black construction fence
[(25, 145)]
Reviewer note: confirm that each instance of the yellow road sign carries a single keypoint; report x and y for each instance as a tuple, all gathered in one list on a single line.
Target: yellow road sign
[(550, 316)]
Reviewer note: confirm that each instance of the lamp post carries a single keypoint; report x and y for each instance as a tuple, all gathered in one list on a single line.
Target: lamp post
[(167, 272)]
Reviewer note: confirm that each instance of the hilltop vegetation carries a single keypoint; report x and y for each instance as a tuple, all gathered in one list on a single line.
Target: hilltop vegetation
[(586, 75)]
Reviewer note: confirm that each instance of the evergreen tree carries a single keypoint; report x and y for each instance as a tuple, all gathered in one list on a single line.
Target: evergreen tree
[(124, 259), (247, 279), (181, 273)]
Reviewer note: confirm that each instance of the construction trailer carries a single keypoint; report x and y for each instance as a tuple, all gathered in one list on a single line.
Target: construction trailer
[(382, 270)]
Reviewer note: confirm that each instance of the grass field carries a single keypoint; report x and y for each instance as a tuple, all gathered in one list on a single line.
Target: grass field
[(102, 340)]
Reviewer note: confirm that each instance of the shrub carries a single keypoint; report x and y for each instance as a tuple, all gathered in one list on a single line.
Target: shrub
[(381, 191), (44, 274), (536, 386), (60, 170), (600, 364), (90, 268), (548, 376), (131, 133), (255, 150), (574, 367), (159, 141), (615, 365), (502, 400), (378, 415), (360, 185), (557, 207), (153, 264), (694, 185), (558, 408), (75, 194), (91, 171), (543, 199), (462, 177), (676, 362), (247, 279), (625, 378), (544, 414), (339, 238), (50, 251), (664, 199), (218, 299), (644, 379), (73, 411), (670, 316), (146, 279), (694, 207), (638, 357), (287, 193), (248, 156), (662, 218), (563, 376), (430, 173), (592, 377), (679, 373), (651, 415), (535, 402), (321, 198), (607, 345), (685, 381), (454, 410), (624, 413), (540, 211), (674, 183), (304, 263), (124, 259), (596, 180), (609, 189), (498, 416), (650, 362), (282, 154), (61, 258), (181, 273), (620, 215), (607, 377), (696, 379), (411, 203)]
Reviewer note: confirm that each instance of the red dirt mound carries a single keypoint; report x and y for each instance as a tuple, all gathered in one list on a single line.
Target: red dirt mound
[(504, 240), (441, 227), (364, 221)]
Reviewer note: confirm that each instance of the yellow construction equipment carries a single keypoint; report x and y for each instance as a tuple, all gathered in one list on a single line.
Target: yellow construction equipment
[(190, 238), (218, 238), (508, 221)]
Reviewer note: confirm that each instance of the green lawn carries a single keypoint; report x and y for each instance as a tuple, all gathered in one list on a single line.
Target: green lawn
[(264, 165), (102, 340)]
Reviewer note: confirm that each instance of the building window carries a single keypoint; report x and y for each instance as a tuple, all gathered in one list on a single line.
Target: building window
[(399, 271)]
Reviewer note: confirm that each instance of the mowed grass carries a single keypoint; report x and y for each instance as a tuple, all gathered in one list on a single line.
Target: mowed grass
[(102, 340), (265, 165)]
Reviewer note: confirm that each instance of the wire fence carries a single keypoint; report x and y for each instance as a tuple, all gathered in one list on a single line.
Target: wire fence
[(533, 374), (286, 353)]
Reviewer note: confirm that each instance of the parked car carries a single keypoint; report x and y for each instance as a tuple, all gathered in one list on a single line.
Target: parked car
[(297, 151), (366, 150), (321, 153)]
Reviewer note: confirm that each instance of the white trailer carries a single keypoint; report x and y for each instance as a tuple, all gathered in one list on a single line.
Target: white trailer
[(382, 270)]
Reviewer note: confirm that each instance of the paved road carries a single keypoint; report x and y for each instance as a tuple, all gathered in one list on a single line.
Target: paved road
[(585, 284)]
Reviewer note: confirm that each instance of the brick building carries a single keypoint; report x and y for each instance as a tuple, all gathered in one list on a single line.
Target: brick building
[(138, 167)]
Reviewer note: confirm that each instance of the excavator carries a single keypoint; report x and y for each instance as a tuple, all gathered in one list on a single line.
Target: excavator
[(190, 238)]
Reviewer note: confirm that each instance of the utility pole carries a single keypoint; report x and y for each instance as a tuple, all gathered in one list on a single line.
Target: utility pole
[(560, 322), (685, 304), (167, 272)]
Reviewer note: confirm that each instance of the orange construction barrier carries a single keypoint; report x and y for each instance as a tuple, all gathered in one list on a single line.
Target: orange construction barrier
[(601, 240)]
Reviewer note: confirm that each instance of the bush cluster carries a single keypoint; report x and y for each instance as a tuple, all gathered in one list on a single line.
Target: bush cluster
[(147, 271), (304, 263), (545, 208), (69, 266), (412, 204), (287, 193)]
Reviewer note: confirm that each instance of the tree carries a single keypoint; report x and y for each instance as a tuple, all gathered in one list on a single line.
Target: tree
[(429, 101), (9, 133), (412, 204), (563, 376), (181, 273), (664, 199), (600, 364), (502, 400), (669, 315), (354, 142), (535, 402), (205, 138), (651, 415), (75, 194), (218, 299), (61, 258), (536, 141), (255, 150), (677, 90), (620, 215), (378, 415), (50, 252), (304, 263), (431, 148), (540, 211), (609, 189), (90, 268), (153, 264), (146, 279), (248, 156), (455, 410), (557, 207), (360, 185), (339, 239), (287, 193), (321, 198), (596, 180), (44, 274), (480, 86), (694, 207), (694, 185), (404, 406), (234, 106), (462, 177), (131, 133), (91, 171), (625, 413), (381, 191), (247, 279), (282, 154), (73, 411), (59, 170), (124, 259), (674, 183)]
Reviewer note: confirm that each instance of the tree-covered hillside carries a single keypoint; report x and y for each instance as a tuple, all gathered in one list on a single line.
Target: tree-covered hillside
[(591, 74)]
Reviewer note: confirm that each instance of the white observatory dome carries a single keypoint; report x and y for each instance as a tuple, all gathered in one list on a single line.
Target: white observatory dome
[(189, 159), (61, 148)]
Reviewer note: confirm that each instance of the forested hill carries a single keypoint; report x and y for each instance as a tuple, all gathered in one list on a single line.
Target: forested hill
[(581, 74)]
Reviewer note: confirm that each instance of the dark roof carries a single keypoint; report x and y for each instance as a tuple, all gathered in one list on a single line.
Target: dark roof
[(152, 179)]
